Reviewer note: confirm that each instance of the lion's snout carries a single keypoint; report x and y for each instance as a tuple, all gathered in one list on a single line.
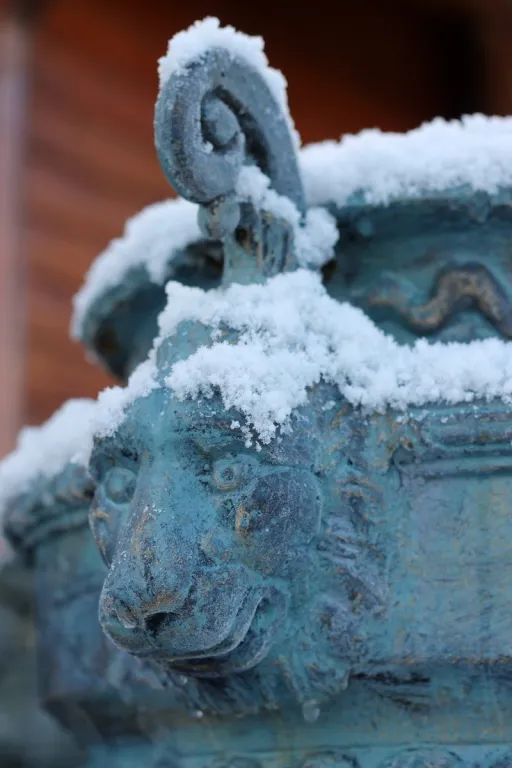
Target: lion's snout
[(181, 618)]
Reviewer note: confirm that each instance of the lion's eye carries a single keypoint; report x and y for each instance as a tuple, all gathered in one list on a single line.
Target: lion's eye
[(228, 474), (119, 485)]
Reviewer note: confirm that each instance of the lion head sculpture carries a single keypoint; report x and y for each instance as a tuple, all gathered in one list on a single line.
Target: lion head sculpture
[(242, 567)]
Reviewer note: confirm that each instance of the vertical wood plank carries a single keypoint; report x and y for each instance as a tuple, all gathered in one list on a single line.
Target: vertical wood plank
[(495, 28), (13, 54)]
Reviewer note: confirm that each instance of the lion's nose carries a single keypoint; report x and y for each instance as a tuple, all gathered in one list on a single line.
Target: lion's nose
[(156, 621), (134, 614)]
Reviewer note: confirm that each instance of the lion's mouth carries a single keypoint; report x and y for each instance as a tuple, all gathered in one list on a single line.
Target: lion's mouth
[(248, 644), (252, 634), (240, 626)]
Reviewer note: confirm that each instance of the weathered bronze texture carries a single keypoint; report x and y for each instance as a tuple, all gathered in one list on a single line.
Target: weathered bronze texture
[(338, 597)]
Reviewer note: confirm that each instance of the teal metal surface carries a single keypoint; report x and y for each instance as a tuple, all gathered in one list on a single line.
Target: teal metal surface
[(340, 597)]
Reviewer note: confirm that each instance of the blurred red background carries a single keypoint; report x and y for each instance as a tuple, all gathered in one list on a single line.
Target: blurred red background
[(78, 83)]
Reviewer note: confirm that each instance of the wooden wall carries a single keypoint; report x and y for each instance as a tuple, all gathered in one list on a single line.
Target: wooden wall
[(90, 160)]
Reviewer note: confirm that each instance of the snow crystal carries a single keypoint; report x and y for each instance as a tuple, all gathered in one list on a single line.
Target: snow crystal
[(46, 450), (476, 151), (150, 238), (194, 42), (252, 185), (315, 237), (69, 434), (292, 334), (159, 231), (380, 167), (113, 401), (440, 155)]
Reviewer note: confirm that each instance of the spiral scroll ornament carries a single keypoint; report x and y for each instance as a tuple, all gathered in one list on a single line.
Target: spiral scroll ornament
[(213, 116)]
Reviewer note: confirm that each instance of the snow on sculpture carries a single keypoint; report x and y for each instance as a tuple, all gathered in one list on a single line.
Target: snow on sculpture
[(301, 496), (276, 436)]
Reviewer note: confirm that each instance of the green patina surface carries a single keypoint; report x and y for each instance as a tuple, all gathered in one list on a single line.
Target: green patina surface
[(339, 598)]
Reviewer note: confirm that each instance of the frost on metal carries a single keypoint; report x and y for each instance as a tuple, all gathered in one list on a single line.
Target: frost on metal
[(193, 43), (290, 335), (474, 152), (46, 450), (158, 232), (315, 237), (150, 238)]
